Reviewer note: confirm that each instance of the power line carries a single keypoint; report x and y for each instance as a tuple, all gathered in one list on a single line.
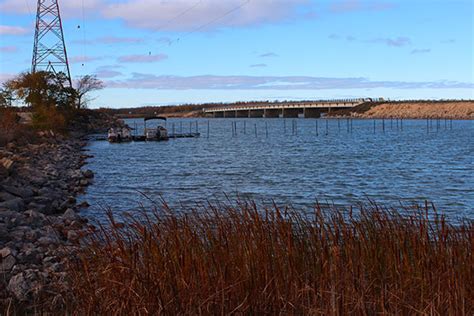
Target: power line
[(29, 9), (179, 15), (218, 18), (209, 23), (83, 35)]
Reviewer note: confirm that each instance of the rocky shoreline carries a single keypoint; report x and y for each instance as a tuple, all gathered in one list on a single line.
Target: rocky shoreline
[(39, 220)]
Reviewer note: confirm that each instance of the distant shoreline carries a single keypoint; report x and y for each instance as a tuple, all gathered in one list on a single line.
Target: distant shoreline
[(459, 110), (417, 109)]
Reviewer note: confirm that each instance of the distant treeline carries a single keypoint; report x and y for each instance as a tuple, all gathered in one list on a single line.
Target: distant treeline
[(186, 108), (167, 109)]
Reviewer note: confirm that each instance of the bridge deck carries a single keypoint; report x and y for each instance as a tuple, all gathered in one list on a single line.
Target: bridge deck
[(325, 104)]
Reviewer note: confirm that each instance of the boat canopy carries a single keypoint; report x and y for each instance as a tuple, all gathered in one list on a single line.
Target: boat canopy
[(155, 118)]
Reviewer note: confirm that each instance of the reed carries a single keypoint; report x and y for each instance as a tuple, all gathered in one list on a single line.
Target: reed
[(239, 258)]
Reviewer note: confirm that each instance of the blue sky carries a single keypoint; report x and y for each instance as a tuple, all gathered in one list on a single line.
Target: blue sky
[(159, 52)]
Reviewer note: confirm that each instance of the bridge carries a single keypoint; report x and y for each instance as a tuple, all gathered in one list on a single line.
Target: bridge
[(305, 109)]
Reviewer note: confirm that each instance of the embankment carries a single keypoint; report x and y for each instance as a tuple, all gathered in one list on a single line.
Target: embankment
[(463, 110), (39, 223)]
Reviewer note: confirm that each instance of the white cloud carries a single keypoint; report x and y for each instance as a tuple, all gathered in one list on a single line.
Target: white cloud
[(394, 42), (421, 51), (270, 54), (150, 81), (83, 59), (344, 6), (13, 30), (8, 49), (202, 15), (142, 58), (258, 65), (69, 8), (6, 76)]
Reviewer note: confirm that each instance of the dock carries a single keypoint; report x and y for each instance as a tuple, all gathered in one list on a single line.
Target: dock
[(141, 138)]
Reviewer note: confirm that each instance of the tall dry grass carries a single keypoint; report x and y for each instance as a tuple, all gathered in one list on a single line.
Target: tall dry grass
[(224, 259)]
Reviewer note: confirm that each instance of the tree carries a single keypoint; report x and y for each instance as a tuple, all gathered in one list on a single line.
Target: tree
[(85, 85), (51, 99), (43, 89), (6, 96)]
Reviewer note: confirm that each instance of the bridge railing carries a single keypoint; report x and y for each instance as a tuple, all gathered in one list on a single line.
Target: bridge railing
[(335, 103)]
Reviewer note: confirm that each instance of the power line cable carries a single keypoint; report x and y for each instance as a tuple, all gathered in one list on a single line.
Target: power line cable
[(208, 23), (29, 8), (217, 19), (179, 15), (84, 52)]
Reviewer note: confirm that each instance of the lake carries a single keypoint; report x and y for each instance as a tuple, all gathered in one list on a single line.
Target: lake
[(290, 161)]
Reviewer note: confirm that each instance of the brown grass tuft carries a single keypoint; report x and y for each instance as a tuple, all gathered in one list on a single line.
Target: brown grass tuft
[(223, 259)]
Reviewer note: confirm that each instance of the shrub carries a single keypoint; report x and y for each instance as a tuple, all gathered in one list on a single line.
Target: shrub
[(8, 125), (48, 118)]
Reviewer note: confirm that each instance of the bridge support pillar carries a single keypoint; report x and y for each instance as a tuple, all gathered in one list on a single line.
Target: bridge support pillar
[(291, 112), (272, 113), (312, 113), (256, 113), (241, 113), (229, 113)]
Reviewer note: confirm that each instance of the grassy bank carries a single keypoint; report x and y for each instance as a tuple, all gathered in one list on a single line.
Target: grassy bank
[(463, 110), (222, 259)]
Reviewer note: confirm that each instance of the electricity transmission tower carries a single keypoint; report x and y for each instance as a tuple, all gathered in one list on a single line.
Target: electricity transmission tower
[(49, 51)]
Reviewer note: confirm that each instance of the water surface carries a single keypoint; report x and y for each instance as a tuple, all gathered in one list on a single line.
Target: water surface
[(291, 161)]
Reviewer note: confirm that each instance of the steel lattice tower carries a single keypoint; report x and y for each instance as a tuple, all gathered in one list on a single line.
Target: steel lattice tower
[(49, 51)]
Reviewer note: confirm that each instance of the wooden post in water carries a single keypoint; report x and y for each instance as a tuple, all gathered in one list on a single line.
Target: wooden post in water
[(255, 129), (245, 128), (351, 120), (327, 127), (383, 125), (207, 128), (296, 127), (181, 127), (266, 129), (374, 126), (316, 126), (197, 127), (173, 130), (190, 127)]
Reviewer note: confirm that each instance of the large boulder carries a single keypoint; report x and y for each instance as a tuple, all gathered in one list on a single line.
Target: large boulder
[(6, 163), (7, 263), (88, 174), (16, 205), (23, 192)]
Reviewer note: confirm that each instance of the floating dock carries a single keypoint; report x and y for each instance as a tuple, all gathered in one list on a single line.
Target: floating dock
[(142, 138)]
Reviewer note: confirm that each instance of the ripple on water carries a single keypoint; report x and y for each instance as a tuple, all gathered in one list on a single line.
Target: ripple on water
[(408, 165)]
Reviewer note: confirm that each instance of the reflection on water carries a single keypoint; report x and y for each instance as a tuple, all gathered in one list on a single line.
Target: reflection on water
[(291, 162)]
